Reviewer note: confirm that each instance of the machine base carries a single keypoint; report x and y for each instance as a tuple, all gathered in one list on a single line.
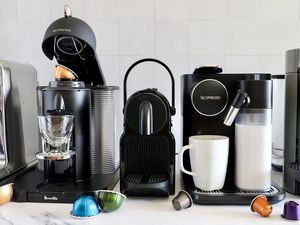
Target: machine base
[(229, 195), (31, 187)]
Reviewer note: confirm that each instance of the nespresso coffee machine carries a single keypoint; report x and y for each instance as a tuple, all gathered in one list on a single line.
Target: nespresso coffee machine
[(291, 170), (95, 164), (209, 102), (18, 124), (147, 145)]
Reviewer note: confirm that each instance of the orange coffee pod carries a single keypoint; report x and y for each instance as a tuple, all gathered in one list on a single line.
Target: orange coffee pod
[(62, 72), (261, 205)]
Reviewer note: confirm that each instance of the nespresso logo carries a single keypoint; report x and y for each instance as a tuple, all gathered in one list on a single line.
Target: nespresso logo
[(210, 97), (50, 198), (61, 30)]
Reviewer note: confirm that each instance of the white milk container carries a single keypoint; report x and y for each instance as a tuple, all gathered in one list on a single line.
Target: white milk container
[(253, 149), (253, 137)]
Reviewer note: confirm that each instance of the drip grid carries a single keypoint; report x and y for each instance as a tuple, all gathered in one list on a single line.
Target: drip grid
[(273, 190), (146, 179)]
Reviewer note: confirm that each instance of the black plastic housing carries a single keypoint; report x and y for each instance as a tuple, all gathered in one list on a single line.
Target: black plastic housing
[(147, 160), (195, 123), (86, 66)]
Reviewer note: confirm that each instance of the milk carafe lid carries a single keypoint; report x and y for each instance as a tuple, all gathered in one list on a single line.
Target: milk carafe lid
[(259, 93)]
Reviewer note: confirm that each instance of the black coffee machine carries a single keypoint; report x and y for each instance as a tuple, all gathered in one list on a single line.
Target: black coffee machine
[(291, 170), (147, 145), (95, 164), (207, 97)]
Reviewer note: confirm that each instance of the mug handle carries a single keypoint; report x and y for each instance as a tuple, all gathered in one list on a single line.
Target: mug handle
[(180, 158)]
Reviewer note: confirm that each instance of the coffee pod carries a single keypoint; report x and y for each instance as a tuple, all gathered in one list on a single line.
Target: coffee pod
[(291, 211), (182, 201), (6, 193), (261, 205), (63, 72)]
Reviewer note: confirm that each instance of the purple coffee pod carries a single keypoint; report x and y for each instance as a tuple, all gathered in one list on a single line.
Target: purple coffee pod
[(291, 211)]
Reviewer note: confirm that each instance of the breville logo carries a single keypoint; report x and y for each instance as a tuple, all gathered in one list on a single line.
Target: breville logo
[(50, 198), (61, 30), (210, 97)]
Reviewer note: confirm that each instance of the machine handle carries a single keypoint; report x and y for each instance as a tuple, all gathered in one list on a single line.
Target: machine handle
[(149, 60), (180, 159)]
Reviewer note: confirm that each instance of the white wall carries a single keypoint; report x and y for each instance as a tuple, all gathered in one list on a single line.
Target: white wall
[(240, 35)]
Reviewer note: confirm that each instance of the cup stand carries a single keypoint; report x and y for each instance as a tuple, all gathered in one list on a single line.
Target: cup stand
[(53, 156)]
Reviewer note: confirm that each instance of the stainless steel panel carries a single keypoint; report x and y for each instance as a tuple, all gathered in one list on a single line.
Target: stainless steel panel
[(5, 87), (104, 135), (18, 116)]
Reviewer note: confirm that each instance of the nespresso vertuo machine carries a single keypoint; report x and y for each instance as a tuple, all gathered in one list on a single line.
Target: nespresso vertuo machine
[(207, 97), (95, 164), (291, 170)]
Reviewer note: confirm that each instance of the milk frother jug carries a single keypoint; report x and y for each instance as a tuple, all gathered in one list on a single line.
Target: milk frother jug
[(253, 134)]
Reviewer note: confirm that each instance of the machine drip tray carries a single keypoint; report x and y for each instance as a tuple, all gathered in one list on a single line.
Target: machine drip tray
[(146, 179), (31, 187), (236, 191), (229, 195)]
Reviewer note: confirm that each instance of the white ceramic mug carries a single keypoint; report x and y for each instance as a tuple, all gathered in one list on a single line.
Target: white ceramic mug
[(208, 157)]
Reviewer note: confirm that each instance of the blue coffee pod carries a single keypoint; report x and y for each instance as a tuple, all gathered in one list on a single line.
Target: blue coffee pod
[(85, 207)]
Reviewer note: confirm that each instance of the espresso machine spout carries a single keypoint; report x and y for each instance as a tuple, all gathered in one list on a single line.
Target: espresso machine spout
[(241, 100)]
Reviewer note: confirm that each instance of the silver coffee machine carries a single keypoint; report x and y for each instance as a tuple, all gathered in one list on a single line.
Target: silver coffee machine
[(18, 123)]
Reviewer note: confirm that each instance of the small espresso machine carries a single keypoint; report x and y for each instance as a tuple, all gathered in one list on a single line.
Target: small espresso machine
[(147, 145), (211, 103), (79, 104)]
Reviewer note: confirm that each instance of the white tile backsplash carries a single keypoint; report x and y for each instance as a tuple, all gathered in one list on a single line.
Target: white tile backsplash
[(110, 68), (279, 36), (243, 37), (101, 9), (207, 37), (172, 37), (239, 35), (8, 10), (245, 64), (9, 48), (107, 36), (212, 9), (57, 8), (33, 10), (137, 37), (172, 9), (273, 64), (30, 42), (244, 9), (280, 9), (136, 9)]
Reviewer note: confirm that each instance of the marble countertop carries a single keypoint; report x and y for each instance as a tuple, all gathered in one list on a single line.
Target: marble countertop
[(142, 211)]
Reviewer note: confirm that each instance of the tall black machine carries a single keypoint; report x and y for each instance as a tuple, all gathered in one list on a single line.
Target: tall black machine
[(211, 101), (91, 160), (291, 170), (147, 146)]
